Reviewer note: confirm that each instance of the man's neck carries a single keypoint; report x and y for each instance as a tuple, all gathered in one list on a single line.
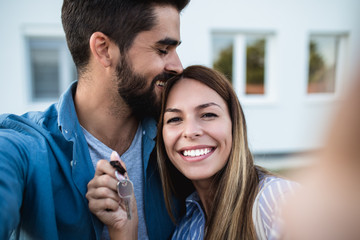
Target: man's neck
[(103, 114)]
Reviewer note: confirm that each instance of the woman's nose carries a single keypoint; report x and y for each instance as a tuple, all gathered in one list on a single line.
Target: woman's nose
[(192, 129)]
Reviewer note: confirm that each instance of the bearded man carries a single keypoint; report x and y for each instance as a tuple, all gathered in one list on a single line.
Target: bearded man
[(124, 52)]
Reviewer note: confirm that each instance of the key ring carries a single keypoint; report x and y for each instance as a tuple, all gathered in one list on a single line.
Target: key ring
[(124, 186), (124, 191)]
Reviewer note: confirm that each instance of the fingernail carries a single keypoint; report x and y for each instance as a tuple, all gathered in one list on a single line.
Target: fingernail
[(114, 156)]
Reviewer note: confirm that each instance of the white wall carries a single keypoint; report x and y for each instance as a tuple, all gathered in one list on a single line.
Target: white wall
[(18, 19), (289, 122)]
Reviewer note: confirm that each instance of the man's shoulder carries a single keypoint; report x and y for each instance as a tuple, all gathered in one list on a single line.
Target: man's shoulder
[(29, 127), (29, 120)]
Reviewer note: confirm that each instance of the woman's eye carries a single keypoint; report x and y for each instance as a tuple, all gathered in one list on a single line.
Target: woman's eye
[(209, 115), (173, 120)]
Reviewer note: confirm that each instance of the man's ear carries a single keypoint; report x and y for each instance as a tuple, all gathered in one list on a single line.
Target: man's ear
[(101, 48)]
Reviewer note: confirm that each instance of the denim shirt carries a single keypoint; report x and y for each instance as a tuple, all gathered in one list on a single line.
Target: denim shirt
[(45, 167)]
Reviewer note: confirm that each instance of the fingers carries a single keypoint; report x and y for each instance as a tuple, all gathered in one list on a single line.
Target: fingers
[(104, 167), (97, 205), (103, 185), (97, 190), (103, 197), (103, 180)]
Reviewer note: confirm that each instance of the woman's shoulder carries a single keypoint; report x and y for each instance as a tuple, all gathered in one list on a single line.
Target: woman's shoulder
[(272, 194), (274, 189)]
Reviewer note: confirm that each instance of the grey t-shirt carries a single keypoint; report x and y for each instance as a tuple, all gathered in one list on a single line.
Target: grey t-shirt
[(134, 165)]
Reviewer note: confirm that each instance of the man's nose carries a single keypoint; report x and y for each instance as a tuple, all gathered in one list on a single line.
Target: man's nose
[(174, 64)]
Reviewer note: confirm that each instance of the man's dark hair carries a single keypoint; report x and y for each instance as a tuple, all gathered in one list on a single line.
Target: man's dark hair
[(120, 20)]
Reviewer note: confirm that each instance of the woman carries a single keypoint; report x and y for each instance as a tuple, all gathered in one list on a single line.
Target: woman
[(203, 157), (202, 146)]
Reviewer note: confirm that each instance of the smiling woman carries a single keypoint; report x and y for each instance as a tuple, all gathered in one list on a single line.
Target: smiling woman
[(204, 158), (196, 130)]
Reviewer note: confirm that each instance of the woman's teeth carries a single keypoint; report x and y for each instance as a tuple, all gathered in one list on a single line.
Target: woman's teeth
[(196, 153)]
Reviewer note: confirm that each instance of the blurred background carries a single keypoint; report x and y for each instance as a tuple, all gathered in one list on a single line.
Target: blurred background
[(288, 60)]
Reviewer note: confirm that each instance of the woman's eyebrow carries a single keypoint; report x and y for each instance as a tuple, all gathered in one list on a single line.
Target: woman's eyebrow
[(172, 110), (206, 105), (201, 106)]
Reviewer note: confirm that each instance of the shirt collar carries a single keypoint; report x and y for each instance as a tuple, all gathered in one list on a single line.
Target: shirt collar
[(67, 118), (149, 127), (191, 200), (194, 197)]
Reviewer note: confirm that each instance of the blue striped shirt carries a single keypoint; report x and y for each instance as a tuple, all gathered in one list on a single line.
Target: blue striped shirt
[(191, 226), (272, 195)]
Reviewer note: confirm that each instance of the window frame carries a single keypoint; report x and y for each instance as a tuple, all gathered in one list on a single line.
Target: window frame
[(340, 67), (67, 70), (239, 66)]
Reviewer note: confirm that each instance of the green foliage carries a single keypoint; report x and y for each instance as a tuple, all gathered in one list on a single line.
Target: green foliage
[(224, 63), (255, 59), (255, 54), (316, 64)]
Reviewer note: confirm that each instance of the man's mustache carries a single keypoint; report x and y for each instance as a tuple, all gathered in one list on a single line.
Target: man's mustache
[(163, 77)]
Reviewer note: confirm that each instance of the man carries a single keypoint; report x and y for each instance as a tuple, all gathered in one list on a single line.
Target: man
[(124, 51)]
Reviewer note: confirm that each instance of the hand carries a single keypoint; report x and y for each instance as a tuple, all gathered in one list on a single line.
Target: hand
[(106, 204), (327, 206)]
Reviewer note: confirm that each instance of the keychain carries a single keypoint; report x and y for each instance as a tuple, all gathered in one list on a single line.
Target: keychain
[(125, 187)]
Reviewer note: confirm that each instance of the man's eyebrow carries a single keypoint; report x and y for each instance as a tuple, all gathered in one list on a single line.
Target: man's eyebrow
[(169, 42)]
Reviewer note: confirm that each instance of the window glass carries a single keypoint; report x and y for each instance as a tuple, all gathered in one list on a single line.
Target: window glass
[(323, 52), (255, 65), (51, 67), (223, 46), (45, 73)]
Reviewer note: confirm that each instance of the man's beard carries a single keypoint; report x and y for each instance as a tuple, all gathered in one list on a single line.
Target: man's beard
[(132, 89)]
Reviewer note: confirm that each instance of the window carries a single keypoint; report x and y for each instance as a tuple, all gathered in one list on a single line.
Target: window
[(323, 61), (51, 68), (243, 58)]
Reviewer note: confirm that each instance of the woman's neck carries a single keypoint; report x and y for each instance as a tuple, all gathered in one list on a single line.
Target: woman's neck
[(206, 195)]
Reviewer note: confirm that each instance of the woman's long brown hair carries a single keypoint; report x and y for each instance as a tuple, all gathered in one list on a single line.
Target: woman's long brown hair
[(235, 186)]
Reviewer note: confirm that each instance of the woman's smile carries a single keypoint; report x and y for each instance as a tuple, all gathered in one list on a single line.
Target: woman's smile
[(196, 153)]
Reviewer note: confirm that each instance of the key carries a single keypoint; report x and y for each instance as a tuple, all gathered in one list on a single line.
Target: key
[(125, 187), (125, 190)]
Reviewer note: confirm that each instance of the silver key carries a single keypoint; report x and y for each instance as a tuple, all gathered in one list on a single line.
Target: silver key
[(125, 190)]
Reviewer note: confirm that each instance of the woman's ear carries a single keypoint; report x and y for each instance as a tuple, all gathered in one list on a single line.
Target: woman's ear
[(101, 49)]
